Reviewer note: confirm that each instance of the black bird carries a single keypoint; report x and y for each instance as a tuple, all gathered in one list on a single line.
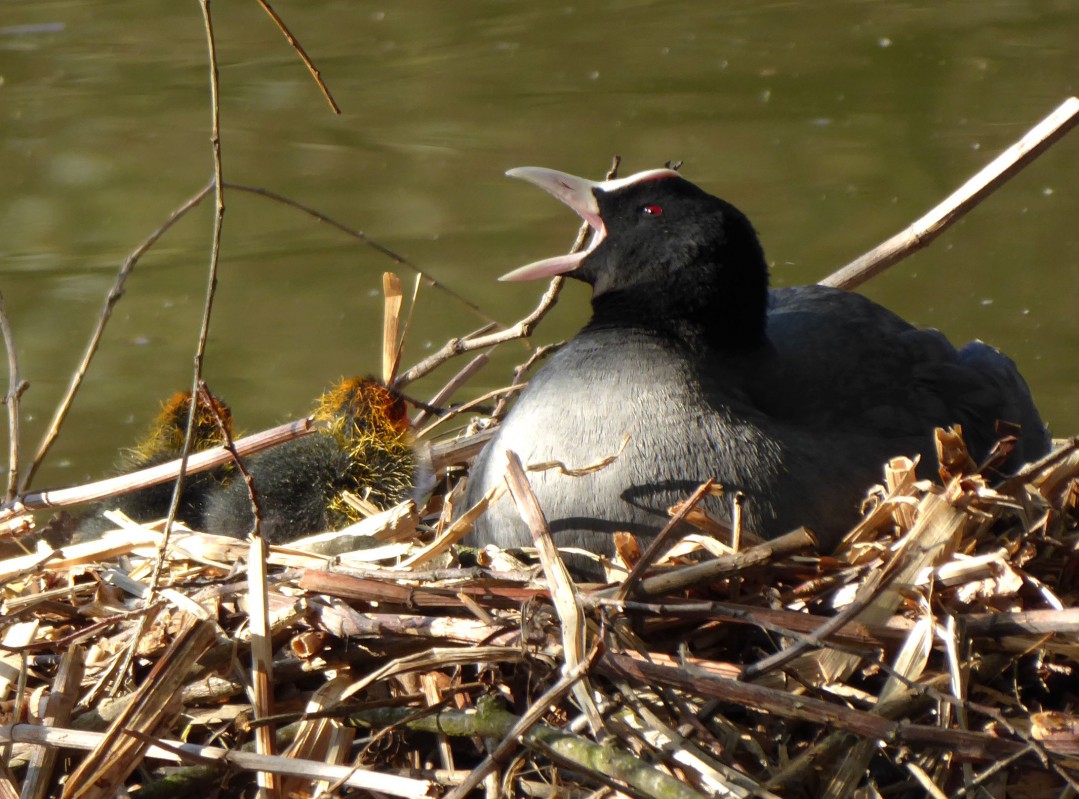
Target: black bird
[(795, 396), (162, 443), (363, 445)]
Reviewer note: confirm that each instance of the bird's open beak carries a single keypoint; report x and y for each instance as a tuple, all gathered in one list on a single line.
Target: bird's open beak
[(580, 195), (577, 194)]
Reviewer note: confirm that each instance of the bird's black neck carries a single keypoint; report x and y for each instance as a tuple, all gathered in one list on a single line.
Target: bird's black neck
[(727, 326)]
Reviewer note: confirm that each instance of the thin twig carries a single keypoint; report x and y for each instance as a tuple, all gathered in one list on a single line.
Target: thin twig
[(363, 237), (302, 54), (465, 407), (458, 346), (15, 389), (211, 279), (237, 461), (1036, 141), (200, 347), (520, 371), (113, 296)]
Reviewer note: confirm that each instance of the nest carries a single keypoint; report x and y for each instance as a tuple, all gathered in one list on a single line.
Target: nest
[(934, 652)]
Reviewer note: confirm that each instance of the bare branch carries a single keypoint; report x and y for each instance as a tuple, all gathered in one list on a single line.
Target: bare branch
[(15, 389), (292, 40)]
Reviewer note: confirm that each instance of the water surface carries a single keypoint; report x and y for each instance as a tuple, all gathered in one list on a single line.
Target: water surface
[(833, 124)]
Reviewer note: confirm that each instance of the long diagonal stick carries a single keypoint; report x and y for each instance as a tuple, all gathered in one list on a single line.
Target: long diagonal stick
[(1036, 141)]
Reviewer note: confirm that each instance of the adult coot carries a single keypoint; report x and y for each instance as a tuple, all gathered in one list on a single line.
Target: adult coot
[(796, 397)]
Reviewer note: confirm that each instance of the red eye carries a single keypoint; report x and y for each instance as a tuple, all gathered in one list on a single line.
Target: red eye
[(652, 210)]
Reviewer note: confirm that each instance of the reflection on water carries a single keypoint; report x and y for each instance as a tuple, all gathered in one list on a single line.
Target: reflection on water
[(832, 124)]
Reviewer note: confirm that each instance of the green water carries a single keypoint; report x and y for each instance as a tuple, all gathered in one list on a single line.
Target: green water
[(832, 124)]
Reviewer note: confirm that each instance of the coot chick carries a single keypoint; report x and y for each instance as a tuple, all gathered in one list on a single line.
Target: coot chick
[(363, 446), (164, 442), (795, 397)]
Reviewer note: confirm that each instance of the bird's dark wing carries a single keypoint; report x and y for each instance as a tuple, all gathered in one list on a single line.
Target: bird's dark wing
[(839, 361)]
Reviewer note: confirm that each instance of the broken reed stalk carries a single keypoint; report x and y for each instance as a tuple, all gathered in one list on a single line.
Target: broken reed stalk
[(58, 708), (391, 323), (563, 591), (261, 657), (918, 235)]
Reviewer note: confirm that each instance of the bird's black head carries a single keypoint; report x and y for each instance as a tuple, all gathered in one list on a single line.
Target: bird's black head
[(663, 253)]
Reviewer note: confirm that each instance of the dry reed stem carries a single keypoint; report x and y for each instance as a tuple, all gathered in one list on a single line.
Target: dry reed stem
[(155, 475), (918, 235), (320, 739), (563, 591), (176, 751)]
